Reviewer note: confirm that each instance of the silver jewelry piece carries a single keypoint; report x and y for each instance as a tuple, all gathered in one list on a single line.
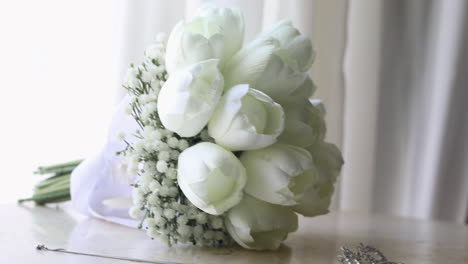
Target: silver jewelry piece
[(44, 248), (363, 255)]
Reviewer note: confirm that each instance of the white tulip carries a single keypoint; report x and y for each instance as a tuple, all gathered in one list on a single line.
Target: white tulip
[(246, 119), (304, 123), (297, 48), (304, 91), (328, 161), (231, 22), (278, 174), (214, 33), (188, 98), (190, 42), (211, 177), (263, 65), (255, 224)]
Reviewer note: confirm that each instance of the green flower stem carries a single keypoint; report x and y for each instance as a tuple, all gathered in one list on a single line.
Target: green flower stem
[(56, 179), (55, 188), (61, 183), (58, 168)]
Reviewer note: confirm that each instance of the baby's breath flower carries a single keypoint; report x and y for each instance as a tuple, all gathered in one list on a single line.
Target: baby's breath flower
[(146, 177), (153, 157), (219, 235), (146, 76), (184, 230), (128, 110), (121, 136), (172, 191), (155, 84), (164, 155), (182, 220), (149, 222), (153, 199), (216, 222), (149, 166), (169, 213), (175, 154), (134, 212), (154, 185), (201, 218), (198, 231), (161, 166), (152, 232), (171, 173), (209, 234), (159, 219), (167, 182), (183, 144), (173, 142)]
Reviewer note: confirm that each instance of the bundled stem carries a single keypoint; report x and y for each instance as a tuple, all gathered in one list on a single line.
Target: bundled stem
[(56, 187)]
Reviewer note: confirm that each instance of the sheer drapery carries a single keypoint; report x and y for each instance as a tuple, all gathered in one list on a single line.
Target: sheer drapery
[(391, 76), (406, 122)]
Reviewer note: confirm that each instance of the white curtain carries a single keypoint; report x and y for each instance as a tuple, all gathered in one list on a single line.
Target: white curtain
[(406, 122), (391, 74)]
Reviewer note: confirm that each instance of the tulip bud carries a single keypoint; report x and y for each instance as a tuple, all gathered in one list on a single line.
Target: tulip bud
[(231, 23), (255, 224), (304, 123), (278, 174), (297, 48), (328, 161), (188, 98), (216, 33), (211, 177), (246, 119), (190, 42), (262, 65)]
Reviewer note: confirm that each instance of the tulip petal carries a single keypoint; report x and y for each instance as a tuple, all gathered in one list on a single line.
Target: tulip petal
[(296, 46), (317, 199), (232, 26), (255, 224), (188, 98), (246, 119), (193, 41), (211, 177), (305, 122), (278, 174), (247, 64)]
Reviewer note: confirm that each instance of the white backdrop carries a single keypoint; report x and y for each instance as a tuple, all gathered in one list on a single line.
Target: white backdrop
[(57, 85)]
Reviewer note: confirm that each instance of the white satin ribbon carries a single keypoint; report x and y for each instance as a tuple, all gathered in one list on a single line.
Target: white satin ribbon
[(103, 177)]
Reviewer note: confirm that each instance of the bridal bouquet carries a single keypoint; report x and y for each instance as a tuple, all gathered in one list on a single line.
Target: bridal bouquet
[(216, 142)]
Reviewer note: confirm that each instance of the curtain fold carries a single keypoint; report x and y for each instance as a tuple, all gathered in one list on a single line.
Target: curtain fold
[(409, 157)]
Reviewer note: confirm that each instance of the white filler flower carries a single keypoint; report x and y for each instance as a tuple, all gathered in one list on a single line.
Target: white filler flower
[(211, 177), (188, 98), (256, 224), (246, 119), (278, 174), (214, 33), (328, 161)]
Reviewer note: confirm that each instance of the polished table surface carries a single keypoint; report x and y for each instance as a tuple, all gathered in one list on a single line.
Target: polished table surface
[(318, 240)]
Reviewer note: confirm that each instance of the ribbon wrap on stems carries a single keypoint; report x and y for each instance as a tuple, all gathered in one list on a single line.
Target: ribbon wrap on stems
[(103, 178)]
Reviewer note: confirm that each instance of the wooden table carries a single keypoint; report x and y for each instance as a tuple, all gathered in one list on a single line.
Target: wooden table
[(318, 240)]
